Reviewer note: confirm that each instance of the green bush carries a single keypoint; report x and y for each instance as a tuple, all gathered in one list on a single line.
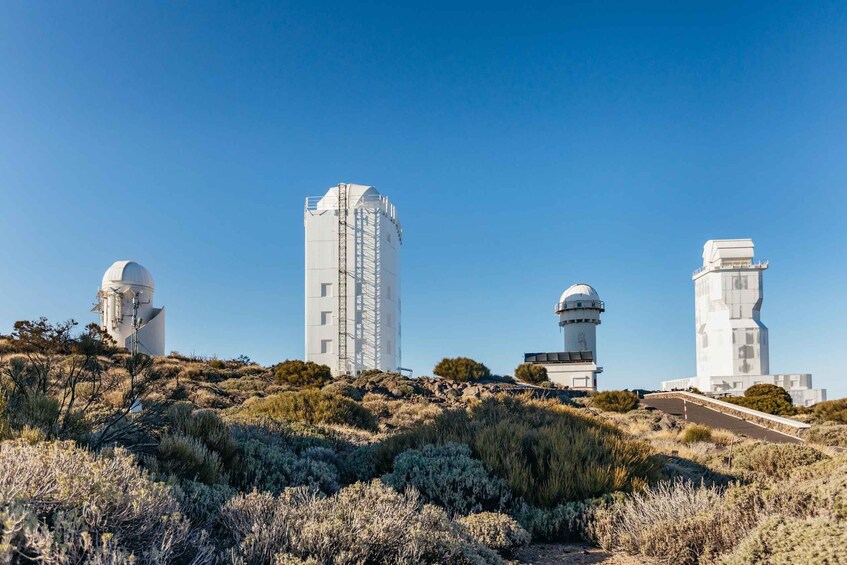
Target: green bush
[(187, 457), (448, 476), (496, 531), (274, 457), (561, 523), (695, 432), (770, 404), (531, 373), (461, 369), (302, 374), (831, 410), (775, 459), (547, 453), (203, 425), (615, 401), (312, 406), (764, 389)]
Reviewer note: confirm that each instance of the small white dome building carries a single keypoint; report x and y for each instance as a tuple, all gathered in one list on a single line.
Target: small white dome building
[(579, 309), (125, 304)]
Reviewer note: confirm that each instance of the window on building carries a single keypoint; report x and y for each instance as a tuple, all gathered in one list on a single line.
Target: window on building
[(388, 321), (388, 346), (326, 318), (388, 292), (358, 289), (326, 289), (326, 346)]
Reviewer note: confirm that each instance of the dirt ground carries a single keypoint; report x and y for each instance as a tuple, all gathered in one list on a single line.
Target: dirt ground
[(571, 554)]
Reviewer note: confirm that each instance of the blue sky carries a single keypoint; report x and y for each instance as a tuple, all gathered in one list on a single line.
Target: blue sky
[(526, 147)]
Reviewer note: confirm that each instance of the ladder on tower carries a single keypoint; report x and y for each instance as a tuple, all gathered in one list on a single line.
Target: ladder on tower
[(342, 279)]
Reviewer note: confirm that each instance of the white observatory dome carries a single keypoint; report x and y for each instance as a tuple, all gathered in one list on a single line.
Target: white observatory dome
[(579, 291), (356, 193), (127, 273)]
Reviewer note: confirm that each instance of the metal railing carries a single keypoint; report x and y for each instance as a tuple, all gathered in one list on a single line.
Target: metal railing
[(730, 267), (585, 304), (331, 203)]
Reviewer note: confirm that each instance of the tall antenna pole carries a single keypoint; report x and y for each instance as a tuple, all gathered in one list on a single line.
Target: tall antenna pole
[(342, 279)]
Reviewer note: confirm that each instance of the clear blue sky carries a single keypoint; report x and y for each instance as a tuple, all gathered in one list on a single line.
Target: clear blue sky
[(526, 148)]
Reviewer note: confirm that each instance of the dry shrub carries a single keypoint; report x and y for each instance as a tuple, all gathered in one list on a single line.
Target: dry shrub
[(363, 523), (694, 433), (775, 459), (63, 504), (401, 414), (828, 433), (547, 453), (531, 373), (671, 523), (831, 410), (302, 374), (448, 476), (782, 540), (615, 401), (312, 406), (496, 531)]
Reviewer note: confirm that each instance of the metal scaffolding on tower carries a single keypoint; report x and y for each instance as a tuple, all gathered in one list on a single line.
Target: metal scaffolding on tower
[(342, 279)]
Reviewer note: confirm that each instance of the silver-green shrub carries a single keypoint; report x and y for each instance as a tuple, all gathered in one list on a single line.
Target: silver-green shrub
[(63, 504), (363, 523), (496, 531), (448, 475), (189, 458)]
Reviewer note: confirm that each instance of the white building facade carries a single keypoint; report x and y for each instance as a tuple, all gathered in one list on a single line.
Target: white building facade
[(579, 310), (353, 239), (125, 304), (731, 340)]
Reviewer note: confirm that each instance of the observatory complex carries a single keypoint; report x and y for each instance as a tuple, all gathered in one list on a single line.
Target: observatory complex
[(353, 239), (125, 304), (579, 310), (731, 341)]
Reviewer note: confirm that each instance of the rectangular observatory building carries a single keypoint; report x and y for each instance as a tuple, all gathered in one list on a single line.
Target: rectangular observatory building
[(353, 239), (732, 342)]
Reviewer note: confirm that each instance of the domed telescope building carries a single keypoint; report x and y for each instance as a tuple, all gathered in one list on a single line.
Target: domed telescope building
[(125, 304), (579, 310)]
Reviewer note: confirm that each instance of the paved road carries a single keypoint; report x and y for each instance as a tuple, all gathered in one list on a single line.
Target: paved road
[(702, 415)]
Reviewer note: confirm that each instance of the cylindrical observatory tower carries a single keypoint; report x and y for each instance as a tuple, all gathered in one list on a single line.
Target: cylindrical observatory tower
[(579, 315)]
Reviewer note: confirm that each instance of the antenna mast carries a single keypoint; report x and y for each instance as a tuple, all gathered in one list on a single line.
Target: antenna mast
[(342, 279), (136, 322)]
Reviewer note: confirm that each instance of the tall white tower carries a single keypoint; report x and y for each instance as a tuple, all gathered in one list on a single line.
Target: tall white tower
[(579, 310), (353, 239), (731, 339), (125, 304)]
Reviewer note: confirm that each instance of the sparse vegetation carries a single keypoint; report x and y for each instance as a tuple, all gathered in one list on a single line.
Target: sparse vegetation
[(110, 458), (616, 401), (462, 369)]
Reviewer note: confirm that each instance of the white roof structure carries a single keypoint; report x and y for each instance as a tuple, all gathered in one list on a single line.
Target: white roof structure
[(356, 193), (127, 273), (579, 291)]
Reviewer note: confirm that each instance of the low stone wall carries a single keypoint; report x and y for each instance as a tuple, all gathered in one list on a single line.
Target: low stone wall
[(778, 423)]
